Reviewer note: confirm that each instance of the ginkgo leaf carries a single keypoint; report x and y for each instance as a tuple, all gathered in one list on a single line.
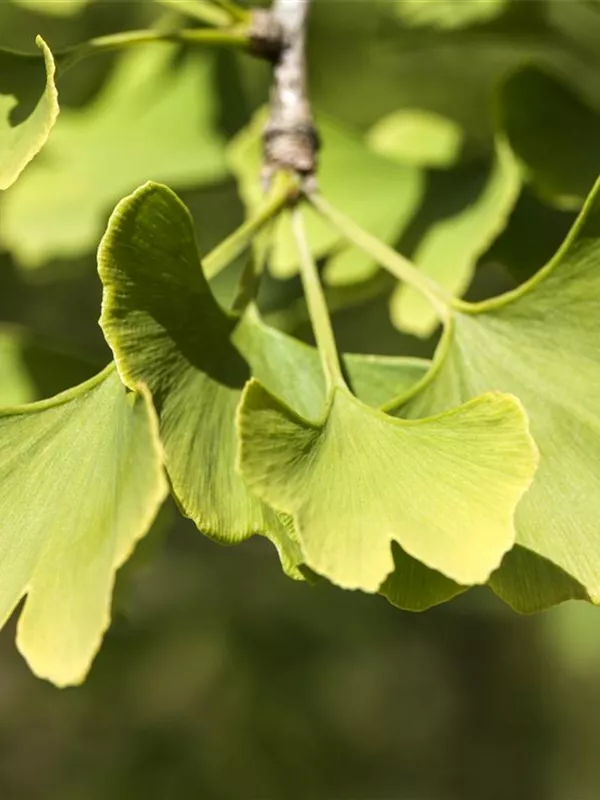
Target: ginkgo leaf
[(80, 482), (416, 136), (28, 109), (448, 13), (540, 342), (154, 119), (163, 323), (167, 330), (467, 211), (528, 582), (445, 488), (414, 587), (58, 8), (553, 132), (357, 178)]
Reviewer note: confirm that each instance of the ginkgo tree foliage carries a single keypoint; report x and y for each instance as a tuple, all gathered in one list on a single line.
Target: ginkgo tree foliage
[(412, 478)]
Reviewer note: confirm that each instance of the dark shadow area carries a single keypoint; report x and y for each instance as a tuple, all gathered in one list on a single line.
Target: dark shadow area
[(24, 78)]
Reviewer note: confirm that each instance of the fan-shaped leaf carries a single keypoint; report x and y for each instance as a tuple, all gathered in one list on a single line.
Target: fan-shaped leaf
[(28, 109), (80, 483), (444, 488), (153, 119), (541, 343), (164, 324)]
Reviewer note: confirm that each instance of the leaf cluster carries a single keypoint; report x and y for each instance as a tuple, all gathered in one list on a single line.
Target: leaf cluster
[(414, 478)]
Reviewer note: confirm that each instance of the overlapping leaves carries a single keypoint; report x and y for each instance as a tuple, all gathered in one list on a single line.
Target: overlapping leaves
[(354, 468), (355, 480), (417, 499), (540, 343), (153, 120), (167, 330)]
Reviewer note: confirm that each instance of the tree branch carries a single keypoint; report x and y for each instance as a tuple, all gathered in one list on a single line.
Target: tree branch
[(290, 138)]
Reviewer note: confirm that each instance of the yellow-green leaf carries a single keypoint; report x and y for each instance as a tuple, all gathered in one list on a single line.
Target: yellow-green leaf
[(541, 343), (28, 109), (467, 212), (166, 329), (154, 119), (80, 482), (416, 136), (444, 488)]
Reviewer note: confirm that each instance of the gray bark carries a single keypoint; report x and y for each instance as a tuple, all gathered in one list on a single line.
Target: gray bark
[(290, 138)]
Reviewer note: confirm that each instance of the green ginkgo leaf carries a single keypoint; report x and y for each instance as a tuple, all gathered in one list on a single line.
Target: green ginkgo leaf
[(414, 587), (360, 180), (28, 109), (448, 14), (163, 324), (154, 119), (57, 8), (467, 211), (528, 582), (445, 488), (541, 343), (80, 482), (354, 480), (416, 136), (553, 132)]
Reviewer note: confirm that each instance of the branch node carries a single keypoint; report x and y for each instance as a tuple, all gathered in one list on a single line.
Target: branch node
[(266, 35), (291, 141)]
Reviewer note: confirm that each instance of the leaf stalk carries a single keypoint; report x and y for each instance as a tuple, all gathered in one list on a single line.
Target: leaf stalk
[(399, 266), (237, 36), (281, 192), (317, 308)]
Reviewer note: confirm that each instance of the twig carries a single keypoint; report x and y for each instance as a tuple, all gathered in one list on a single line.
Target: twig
[(290, 138), (225, 37)]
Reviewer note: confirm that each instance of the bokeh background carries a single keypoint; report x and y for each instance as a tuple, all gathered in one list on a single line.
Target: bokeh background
[(221, 679)]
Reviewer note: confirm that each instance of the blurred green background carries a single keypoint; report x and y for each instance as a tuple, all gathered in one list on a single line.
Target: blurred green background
[(220, 678)]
